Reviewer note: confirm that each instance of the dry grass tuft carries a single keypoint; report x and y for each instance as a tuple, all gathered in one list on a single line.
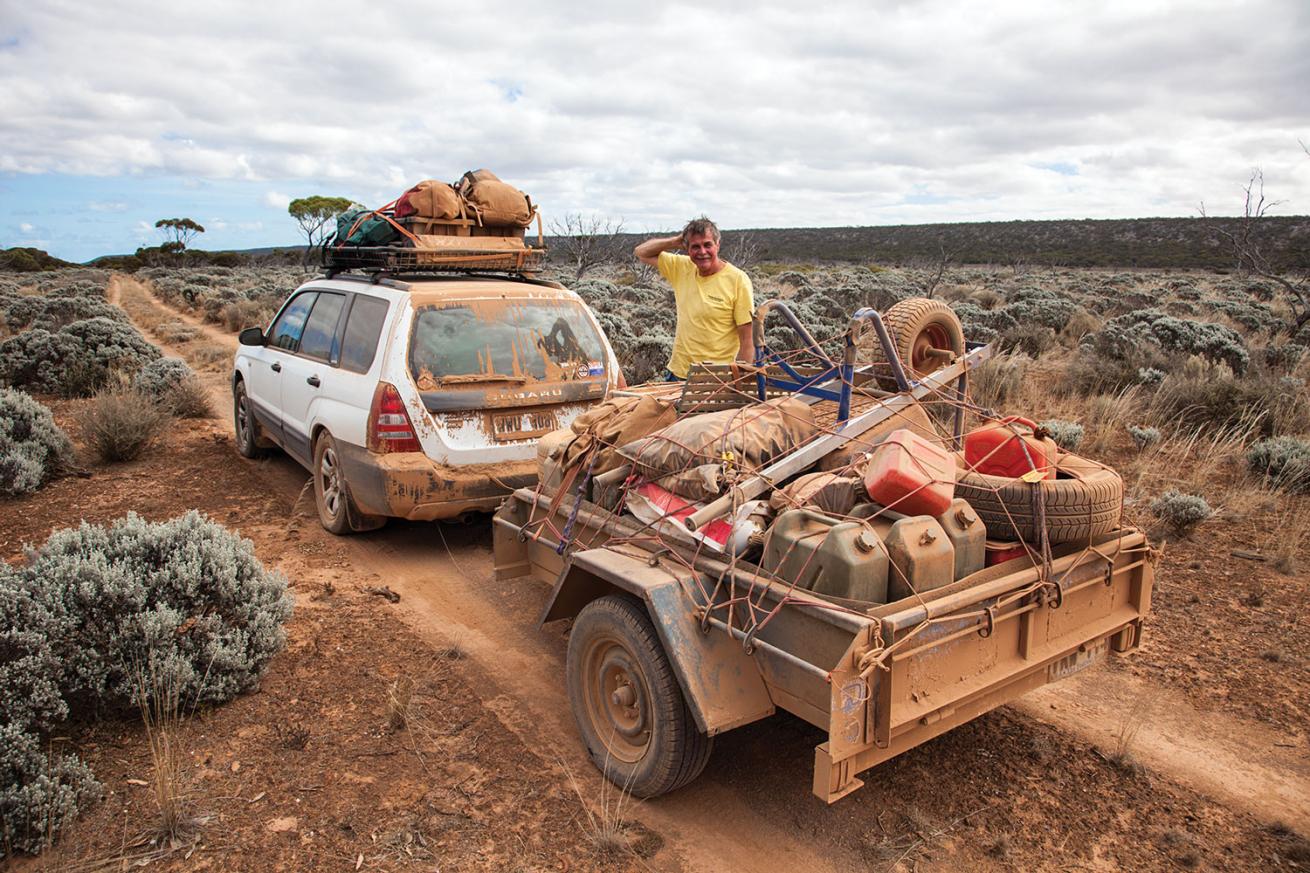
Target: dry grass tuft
[(122, 423), (605, 827), (189, 398), (162, 713), (1130, 723), (400, 703)]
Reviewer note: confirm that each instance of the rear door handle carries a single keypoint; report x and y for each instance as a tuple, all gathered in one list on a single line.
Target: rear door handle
[(313, 380), (277, 368)]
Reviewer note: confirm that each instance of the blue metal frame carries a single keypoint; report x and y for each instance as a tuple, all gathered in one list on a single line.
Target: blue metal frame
[(845, 371)]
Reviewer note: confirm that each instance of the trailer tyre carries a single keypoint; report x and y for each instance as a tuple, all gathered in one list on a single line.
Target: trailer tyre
[(920, 330), (627, 703), (1084, 500)]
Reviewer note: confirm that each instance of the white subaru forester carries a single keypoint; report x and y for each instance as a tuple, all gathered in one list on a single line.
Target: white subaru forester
[(420, 399)]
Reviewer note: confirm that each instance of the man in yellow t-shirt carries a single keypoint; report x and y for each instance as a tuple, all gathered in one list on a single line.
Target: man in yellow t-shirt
[(714, 298)]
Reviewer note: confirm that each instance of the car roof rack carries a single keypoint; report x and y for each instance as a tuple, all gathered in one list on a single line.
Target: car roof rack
[(416, 261)]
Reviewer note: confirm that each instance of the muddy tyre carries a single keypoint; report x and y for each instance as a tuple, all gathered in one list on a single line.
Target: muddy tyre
[(244, 426), (1083, 501), (331, 496), (627, 702), (920, 330)]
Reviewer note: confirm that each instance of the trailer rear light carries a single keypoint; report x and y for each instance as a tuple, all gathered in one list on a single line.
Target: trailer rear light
[(389, 427)]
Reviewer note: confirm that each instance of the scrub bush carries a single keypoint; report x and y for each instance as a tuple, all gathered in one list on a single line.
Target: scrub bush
[(173, 385), (1181, 513), (186, 595), (1123, 338), (40, 794), (75, 360), (1067, 434), (122, 422), (54, 312), (33, 449), (1144, 437), (1284, 460)]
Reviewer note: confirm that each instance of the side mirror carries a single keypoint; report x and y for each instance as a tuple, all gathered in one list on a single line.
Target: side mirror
[(251, 336)]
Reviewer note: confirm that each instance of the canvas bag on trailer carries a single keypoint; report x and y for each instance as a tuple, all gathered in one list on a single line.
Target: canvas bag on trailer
[(431, 199), (495, 203)]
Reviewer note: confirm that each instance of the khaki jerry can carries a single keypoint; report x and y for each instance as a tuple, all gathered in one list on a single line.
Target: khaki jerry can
[(662, 628)]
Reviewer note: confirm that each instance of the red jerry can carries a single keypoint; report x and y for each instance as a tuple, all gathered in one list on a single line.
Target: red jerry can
[(1011, 448), (911, 475)]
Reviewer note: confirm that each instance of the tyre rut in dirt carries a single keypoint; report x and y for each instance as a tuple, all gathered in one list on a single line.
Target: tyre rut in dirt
[(627, 702), (917, 327), (1086, 500), (244, 426)]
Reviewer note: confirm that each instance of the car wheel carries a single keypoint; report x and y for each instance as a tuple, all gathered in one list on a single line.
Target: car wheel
[(627, 702), (331, 496), (244, 425), (927, 335)]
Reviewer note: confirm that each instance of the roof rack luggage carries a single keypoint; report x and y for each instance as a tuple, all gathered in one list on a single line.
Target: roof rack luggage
[(381, 241)]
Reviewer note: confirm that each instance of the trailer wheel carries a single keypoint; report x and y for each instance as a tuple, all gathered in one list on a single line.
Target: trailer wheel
[(921, 330), (627, 703)]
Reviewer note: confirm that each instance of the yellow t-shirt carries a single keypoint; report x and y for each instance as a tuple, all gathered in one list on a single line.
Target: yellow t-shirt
[(710, 309)]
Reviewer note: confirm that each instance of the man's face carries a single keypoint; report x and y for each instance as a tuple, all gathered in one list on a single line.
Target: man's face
[(703, 249)]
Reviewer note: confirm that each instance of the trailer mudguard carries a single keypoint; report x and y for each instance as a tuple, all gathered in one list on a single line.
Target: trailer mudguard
[(720, 682)]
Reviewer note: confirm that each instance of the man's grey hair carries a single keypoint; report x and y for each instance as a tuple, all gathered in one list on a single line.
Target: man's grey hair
[(698, 226)]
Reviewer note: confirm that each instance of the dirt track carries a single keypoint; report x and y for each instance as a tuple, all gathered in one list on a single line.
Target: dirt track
[(751, 809)]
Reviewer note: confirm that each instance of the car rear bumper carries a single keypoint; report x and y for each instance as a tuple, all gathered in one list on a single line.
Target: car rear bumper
[(413, 486)]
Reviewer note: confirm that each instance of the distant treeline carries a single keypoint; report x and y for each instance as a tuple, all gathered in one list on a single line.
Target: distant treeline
[(1126, 242)]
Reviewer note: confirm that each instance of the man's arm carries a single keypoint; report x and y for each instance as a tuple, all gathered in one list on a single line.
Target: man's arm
[(745, 343), (649, 251)]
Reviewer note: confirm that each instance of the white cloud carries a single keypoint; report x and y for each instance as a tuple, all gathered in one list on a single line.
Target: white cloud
[(838, 113), (26, 228), (107, 206)]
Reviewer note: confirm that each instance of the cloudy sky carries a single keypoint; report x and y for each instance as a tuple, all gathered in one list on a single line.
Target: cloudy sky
[(114, 114)]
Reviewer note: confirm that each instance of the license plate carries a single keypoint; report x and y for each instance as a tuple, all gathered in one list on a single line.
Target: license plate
[(522, 425), (1077, 661)]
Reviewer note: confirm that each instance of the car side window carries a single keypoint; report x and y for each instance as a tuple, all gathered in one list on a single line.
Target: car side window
[(319, 339), (363, 327), (286, 331)]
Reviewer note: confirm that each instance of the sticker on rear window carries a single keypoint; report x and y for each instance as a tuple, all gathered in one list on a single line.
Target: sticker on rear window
[(591, 368)]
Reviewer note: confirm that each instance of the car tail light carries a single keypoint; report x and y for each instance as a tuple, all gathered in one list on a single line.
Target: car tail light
[(389, 427), (622, 381)]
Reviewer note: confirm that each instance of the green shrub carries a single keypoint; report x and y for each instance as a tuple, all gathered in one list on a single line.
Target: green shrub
[(1181, 513), (1284, 460), (185, 594), (33, 449), (1067, 434)]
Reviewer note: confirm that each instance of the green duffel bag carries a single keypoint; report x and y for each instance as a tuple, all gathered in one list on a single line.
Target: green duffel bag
[(371, 231)]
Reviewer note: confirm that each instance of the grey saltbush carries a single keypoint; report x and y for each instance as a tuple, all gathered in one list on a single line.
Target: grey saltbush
[(185, 594), (1067, 434), (40, 792), (29, 671), (174, 386), (75, 360), (1285, 460), (33, 449), (1144, 437), (1180, 512)]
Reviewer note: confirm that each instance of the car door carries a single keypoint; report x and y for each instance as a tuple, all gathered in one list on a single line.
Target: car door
[(309, 376), (265, 378)]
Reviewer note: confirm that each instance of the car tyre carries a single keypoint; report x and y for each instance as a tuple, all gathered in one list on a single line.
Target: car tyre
[(627, 702), (331, 495), (920, 329), (244, 425)]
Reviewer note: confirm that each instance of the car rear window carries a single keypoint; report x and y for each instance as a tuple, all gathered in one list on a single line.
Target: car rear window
[(363, 327), (510, 340)]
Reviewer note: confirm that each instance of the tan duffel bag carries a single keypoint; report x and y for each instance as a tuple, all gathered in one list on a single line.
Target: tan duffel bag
[(494, 203), (431, 199)]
